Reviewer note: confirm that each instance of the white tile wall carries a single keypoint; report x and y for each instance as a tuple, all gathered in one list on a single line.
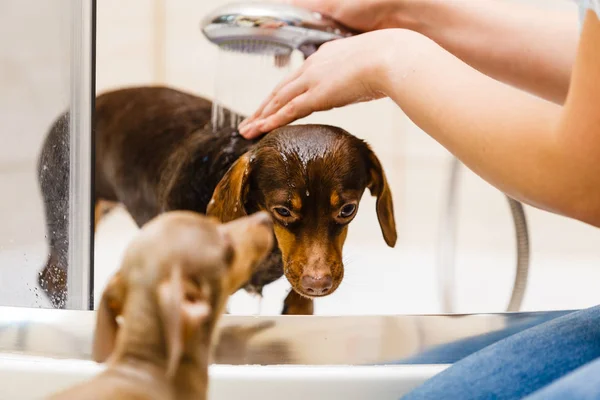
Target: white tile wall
[(125, 46), (159, 42)]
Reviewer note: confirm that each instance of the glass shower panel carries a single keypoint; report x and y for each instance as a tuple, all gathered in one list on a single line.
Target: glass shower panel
[(46, 71)]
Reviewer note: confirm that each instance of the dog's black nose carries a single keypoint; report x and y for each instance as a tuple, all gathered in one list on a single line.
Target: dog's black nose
[(316, 286)]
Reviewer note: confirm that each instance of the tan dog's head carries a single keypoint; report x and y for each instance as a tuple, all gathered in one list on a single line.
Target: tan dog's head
[(310, 178), (183, 266)]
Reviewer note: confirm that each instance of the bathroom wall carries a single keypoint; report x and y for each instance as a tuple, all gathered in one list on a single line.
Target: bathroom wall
[(159, 42)]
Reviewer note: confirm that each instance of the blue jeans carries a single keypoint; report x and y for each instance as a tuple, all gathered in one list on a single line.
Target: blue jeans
[(559, 359), (450, 353)]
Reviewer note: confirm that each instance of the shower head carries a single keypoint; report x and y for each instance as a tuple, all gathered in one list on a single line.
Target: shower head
[(273, 29)]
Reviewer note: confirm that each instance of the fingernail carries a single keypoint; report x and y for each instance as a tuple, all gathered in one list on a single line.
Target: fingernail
[(243, 123), (245, 130), (255, 129)]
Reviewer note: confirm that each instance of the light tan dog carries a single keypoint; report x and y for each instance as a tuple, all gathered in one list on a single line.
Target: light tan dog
[(170, 291)]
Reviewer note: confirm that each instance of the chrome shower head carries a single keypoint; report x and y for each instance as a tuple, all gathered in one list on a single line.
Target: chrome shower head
[(273, 29)]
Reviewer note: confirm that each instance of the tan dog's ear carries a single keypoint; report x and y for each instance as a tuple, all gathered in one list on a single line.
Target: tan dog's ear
[(111, 305), (228, 199), (179, 314), (379, 187)]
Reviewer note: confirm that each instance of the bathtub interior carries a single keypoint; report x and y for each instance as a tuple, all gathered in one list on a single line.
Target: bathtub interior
[(228, 382), (350, 357), (325, 357)]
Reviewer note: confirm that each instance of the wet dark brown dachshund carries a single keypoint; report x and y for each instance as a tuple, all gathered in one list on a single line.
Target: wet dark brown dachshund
[(156, 151), (170, 291)]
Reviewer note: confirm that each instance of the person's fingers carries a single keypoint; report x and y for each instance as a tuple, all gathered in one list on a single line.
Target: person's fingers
[(270, 97), (248, 130), (258, 111), (266, 101), (283, 97), (297, 108)]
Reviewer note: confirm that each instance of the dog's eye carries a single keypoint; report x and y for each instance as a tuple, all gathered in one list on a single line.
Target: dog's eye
[(348, 210), (284, 212)]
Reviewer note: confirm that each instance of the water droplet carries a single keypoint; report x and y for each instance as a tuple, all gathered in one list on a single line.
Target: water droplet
[(212, 202), (252, 158), (307, 193), (235, 209)]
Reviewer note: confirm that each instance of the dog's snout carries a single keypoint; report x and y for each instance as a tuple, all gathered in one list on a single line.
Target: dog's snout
[(316, 285)]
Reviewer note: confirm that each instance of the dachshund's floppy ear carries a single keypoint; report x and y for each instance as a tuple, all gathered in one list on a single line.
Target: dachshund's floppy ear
[(228, 199), (379, 187), (110, 307), (179, 314)]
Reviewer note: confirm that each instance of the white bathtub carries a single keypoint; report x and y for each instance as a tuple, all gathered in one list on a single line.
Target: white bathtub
[(28, 378), (316, 357)]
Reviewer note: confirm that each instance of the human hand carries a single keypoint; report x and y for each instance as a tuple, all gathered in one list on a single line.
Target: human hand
[(360, 15), (341, 72)]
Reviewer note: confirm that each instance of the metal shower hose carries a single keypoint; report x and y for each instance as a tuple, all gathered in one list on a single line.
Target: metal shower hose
[(447, 247)]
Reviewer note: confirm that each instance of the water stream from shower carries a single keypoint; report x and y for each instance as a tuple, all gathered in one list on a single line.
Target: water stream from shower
[(242, 81)]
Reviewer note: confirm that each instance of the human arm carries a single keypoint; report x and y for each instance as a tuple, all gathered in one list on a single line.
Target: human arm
[(529, 47), (536, 152), (533, 150), (526, 46)]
